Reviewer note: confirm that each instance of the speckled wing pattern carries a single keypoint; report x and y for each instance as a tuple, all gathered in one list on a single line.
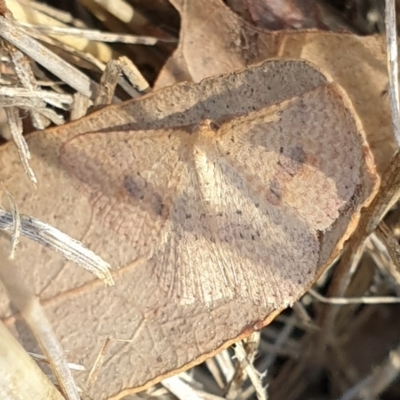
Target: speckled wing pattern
[(227, 212), (131, 180)]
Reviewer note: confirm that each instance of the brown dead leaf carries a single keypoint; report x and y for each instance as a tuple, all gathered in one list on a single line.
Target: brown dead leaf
[(301, 178), (227, 43), (278, 14), (214, 40)]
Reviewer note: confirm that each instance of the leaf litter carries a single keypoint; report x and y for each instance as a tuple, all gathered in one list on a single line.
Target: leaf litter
[(124, 115)]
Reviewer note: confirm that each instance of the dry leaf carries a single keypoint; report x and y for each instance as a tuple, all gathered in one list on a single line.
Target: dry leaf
[(278, 14), (214, 40), (226, 43), (280, 187)]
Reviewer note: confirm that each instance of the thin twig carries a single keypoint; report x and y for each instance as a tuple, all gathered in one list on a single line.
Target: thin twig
[(90, 34), (17, 222), (43, 358), (393, 67), (94, 371), (356, 300)]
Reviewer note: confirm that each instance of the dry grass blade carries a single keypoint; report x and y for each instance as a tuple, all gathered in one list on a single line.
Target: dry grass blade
[(41, 357), (216, 373), (226, 365), (94, 371), (60, 100), (16, 132), (92, 34), (393, 67), (348, 301), (182, 390), (17, 222), (377, 247), (53, 63), (26, 77), (245, 358), (391, 243), (34, 315), (21, 378), (51, 237), (134, 75), (108, 83), (80, 106)]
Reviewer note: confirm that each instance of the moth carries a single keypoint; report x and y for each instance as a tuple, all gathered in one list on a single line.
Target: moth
[(248, 205)]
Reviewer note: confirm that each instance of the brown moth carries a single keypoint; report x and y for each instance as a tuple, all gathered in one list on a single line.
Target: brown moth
[(243, 210)]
